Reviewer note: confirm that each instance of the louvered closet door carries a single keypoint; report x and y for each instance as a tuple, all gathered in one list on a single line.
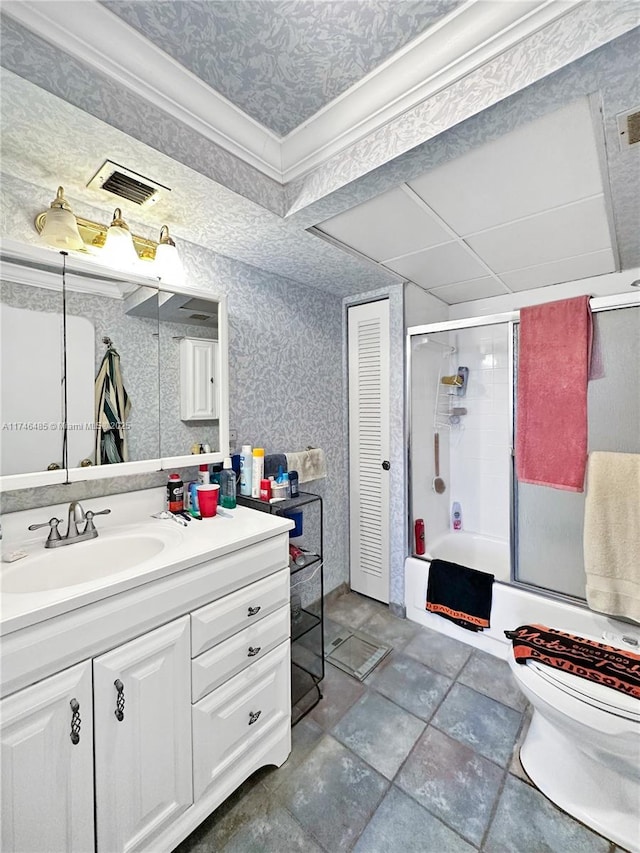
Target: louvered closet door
[(369, 448)]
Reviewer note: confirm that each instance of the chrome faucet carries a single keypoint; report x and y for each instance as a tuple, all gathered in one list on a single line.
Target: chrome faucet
[(76, 515)]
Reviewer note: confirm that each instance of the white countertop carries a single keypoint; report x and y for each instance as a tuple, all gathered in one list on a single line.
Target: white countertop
[(188, 546)]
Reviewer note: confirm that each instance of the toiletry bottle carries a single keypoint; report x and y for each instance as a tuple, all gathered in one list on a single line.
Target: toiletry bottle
[(258, 471), (175, 493), (456, 516), (287, 485), (246, 470), (419, 532), (293, 484), (265, 490), (203, 475), (227, 485), (216, 471)]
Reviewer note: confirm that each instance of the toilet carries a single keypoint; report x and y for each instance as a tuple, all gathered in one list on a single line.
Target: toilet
[(582, 749)]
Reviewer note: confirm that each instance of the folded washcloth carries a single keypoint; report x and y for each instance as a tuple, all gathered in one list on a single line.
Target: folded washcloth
[(460, 594), (613, 667), (310, 464), (272, 464), (612, 534)]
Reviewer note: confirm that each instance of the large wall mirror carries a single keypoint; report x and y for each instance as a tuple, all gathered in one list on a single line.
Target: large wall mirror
[(103, 376)]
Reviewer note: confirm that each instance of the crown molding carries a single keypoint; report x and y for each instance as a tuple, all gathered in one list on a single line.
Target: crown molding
[(461, 42), (92, 34)]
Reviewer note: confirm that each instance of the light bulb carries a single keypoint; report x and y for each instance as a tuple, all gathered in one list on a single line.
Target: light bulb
[(167, 264), (118, 245), (60, 228)]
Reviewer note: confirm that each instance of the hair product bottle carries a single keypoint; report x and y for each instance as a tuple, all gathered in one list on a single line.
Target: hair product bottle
[(246, 467)]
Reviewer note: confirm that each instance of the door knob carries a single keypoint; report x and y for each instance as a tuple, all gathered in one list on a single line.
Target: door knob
[(386, 465)]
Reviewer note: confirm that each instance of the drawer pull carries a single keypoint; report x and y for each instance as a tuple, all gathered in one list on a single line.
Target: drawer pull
[(253, 717), (75, 722), (119, 711), (253, 651), (253, 610)]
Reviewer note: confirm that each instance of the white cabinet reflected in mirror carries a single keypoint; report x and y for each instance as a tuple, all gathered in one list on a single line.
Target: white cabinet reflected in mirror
[(194, 402), (120, 341)]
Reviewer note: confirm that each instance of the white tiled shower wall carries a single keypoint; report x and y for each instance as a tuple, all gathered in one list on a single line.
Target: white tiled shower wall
[(478, 450)]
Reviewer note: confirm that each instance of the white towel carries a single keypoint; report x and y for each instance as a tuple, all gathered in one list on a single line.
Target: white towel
[(612, 534), (310, 464)]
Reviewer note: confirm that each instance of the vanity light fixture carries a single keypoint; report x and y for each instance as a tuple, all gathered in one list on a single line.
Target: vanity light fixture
[(113, 246), (168, 265), (59, 227)]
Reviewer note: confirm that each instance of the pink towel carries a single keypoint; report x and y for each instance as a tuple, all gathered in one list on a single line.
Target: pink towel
[(553, 369)]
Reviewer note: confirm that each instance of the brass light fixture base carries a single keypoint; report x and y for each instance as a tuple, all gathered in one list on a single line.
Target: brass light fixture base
[(94, 234)]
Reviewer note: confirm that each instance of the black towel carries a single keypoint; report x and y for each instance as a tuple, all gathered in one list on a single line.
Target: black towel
[(608, 665), (272, 463), (460, 594)]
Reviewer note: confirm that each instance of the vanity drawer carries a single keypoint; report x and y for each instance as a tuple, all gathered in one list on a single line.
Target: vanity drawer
[(217, 621), (214, 667), (232, 722)]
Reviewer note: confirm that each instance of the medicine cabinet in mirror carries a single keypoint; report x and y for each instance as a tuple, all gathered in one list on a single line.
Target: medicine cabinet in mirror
[(93, 372)]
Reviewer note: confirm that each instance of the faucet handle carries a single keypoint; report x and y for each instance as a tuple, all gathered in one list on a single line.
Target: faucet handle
[(53, 523), (89, 516)]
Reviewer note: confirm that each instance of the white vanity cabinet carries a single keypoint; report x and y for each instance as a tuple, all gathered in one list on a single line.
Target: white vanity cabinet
[(142, 714), (179, 689), (198, 385), (47, 765)]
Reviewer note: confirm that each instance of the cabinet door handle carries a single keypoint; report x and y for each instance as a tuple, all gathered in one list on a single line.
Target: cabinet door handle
[(253, 651), (253, 717), (119, 711), (75, 722), (253, 610)]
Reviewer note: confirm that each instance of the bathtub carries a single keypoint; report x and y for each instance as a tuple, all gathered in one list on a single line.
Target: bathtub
[(470, 549), (511, 607)]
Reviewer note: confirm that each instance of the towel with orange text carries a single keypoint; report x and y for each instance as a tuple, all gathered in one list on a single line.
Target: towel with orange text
[(606, 665)]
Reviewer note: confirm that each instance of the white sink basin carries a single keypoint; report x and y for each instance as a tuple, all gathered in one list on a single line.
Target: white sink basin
[(112, 552)]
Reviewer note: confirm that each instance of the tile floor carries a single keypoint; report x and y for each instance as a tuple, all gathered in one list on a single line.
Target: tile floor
[(419, 758)]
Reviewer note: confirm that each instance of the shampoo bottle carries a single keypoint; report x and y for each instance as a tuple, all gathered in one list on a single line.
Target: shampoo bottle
[(246, 467), (456, 516), (227, 485), (258, 471)]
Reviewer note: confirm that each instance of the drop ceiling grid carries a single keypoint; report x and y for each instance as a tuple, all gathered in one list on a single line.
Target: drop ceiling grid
[(525, 210)]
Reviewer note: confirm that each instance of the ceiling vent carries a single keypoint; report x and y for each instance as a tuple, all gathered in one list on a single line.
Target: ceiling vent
[(124, 183), (629, 127)]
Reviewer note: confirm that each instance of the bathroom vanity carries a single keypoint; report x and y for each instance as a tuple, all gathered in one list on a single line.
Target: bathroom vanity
[(136, 699)]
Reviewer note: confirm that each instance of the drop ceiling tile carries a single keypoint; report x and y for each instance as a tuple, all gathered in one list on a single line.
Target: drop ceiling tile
[(545, 163), (441, 265), (464, 291), (386, 226), (568, 269), (551, 236)]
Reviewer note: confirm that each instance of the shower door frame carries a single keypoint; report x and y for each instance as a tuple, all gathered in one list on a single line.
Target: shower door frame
[(512, 319), (507, 317)]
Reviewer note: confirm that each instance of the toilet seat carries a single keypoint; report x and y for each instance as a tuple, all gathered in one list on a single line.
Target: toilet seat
[(590, 692)]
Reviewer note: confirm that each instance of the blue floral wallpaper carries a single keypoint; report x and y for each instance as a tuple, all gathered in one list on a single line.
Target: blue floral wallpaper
[(281, 62)]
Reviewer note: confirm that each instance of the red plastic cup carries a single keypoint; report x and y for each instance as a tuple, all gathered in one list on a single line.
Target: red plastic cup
[(208, 499)]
